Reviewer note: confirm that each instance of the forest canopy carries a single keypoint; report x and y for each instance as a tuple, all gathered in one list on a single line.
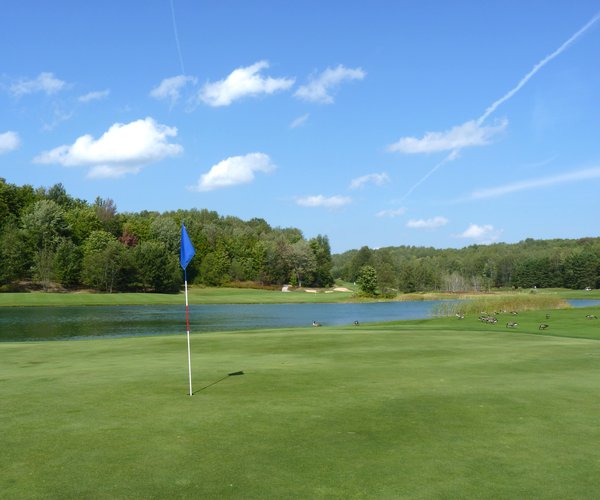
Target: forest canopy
[(49, 238), (557, 263)]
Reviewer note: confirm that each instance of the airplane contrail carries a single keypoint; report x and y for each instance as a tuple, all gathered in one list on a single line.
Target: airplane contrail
[(580, 175), (490, 109), (448, 158), (177, 38), (535, 69)]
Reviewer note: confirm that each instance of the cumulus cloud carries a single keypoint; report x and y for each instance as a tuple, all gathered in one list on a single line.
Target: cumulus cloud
[(323, 201), (122, 149), (233, 171), (427, 223), (301, 120), (45, 82), (391, 212), (170, 88), (377, 179), (468, 134), (9, 141), (482, 234), (318, 88), (240, 83), (94, 96)]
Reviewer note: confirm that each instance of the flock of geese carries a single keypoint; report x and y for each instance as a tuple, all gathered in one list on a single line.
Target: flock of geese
[(316, 323), (492, 319)]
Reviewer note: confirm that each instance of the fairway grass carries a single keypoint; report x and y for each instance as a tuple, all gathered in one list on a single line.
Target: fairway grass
[(198, 295), (227, 295), (422, 409)]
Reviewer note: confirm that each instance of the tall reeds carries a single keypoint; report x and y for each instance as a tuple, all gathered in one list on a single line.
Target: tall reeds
[(508, 303)]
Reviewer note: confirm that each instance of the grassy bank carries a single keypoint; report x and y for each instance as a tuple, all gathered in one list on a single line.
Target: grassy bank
[(196, 295), (422, 409), (224, 295)]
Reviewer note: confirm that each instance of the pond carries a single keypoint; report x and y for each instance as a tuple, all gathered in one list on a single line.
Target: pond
[(55, 323)]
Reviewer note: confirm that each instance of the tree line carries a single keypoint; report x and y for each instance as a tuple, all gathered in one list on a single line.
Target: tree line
[(555, 263), (49, 238)]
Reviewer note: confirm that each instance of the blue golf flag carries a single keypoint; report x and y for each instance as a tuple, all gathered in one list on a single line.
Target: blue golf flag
[(187, 249), (186, 253)]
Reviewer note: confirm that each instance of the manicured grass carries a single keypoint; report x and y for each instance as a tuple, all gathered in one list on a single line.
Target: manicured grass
[(571, 294), (196, 295), (225, 295), (424, 409), (570, 322)]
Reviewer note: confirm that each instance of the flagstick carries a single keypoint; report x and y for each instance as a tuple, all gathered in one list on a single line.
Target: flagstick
[(187, 322), (186, 252)]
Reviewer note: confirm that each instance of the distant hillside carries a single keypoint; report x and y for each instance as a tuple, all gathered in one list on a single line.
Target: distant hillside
[(530, 263)]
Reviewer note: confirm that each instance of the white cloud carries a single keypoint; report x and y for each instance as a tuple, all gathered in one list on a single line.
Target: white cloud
[(170, 88), (482, 234), (318, 89), (9, 141), (580, 175), (94, 96), (428, 143), (45, 82), (392, 212), (323, 201), (301, 120), (233, 171), (122, 149), (240, 83), (466, 135), (377, 179), (427, 223)]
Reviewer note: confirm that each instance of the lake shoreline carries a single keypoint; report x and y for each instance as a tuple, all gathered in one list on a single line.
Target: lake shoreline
[(54, 323), (49, 323), (224, 295)]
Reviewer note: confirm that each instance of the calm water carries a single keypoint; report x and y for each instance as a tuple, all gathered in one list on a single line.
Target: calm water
[(53, 323)]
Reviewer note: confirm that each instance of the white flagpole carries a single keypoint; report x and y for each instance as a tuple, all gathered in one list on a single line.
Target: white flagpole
[(187, 322)]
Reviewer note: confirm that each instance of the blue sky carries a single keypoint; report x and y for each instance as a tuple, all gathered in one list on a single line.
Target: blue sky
[(378, 123)]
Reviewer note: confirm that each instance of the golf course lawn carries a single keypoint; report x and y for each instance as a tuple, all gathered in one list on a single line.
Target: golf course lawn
[(439, 408), (198, 295), (224, 295)]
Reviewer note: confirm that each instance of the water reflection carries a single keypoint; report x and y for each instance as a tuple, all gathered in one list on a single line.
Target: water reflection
[(53, 323), (49, 323)]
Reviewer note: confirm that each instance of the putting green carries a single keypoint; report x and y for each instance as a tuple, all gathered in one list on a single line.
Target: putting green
[(429, 409)]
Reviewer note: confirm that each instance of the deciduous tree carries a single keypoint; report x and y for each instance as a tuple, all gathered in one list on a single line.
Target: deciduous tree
[(367, 280)]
